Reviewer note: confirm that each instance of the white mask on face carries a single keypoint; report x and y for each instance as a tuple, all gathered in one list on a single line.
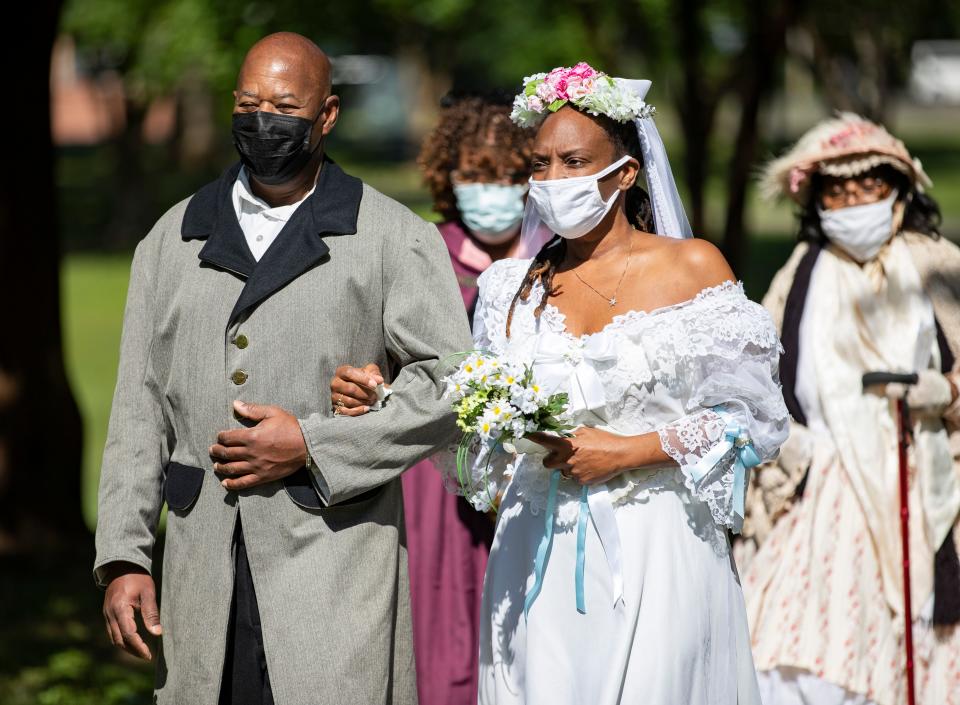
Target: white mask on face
[(860, 231), (573, 207)]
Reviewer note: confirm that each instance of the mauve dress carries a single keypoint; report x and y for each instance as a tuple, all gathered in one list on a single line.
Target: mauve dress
[(447, 543)]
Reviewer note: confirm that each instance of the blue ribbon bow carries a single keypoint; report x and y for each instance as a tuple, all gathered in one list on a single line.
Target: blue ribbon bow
[(745, 457)]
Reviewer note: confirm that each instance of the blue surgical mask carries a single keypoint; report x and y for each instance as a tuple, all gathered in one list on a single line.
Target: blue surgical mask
[(492, 212)]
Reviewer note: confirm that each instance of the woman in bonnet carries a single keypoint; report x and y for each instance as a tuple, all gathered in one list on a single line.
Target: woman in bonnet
[(870, 287), (610, 578)]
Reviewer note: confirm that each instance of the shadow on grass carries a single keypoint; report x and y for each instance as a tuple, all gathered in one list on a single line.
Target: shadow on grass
[(53, 645)]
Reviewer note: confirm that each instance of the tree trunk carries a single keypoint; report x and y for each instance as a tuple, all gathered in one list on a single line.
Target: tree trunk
[(696, 107), (767, 43), (40, 427), (424, 84), (132, 205)]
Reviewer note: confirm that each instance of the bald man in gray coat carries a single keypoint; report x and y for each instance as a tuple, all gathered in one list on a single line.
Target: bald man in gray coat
[(284, 569)]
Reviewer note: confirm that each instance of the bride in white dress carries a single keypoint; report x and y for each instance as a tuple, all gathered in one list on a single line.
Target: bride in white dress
[(610, 578), (663, 356)]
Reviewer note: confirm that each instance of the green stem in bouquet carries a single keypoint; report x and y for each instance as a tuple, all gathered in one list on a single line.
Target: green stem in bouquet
[(463, 456)]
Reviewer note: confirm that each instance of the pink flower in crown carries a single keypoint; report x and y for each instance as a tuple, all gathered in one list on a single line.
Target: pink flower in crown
[(797, 177), (546, 91), (556, 75), (535, 104), (561, 87), (584, 70), (575, 87)]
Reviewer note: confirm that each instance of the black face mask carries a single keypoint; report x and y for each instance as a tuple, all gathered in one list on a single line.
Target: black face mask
[(273, 147)]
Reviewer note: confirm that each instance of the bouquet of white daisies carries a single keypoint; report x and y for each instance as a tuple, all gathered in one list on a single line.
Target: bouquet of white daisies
[(497, 403)]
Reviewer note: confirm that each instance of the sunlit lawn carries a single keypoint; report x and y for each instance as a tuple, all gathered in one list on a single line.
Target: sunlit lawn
[(94, 291)]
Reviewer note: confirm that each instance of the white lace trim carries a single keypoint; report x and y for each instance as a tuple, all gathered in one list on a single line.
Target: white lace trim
[(691, 352), (687, 440)]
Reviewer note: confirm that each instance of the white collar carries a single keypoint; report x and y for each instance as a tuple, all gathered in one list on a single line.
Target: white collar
[(242, 191)]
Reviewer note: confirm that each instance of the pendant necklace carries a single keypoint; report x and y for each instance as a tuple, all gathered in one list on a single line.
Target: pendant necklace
[(612, 300)]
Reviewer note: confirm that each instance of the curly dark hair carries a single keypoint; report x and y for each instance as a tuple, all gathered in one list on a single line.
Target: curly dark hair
[(623, 136), (482, 124), (922, 214)]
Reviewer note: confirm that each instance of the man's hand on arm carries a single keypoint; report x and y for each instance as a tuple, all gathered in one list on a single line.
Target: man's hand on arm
[(271, 450), (130, 589)]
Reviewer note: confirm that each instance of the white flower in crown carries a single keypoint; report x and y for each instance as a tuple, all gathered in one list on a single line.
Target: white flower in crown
[(581, 86)]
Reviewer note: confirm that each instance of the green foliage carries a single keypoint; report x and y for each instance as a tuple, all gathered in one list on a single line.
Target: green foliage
[(154, 45), (437, 15), (548, 417), (53, 647)]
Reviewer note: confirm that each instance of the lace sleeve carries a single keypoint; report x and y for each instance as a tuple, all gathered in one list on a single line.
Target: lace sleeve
[(725, 358)]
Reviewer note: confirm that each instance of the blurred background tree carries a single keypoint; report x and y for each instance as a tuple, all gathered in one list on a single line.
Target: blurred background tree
[(860, 49), (40, 427), (140, 104)]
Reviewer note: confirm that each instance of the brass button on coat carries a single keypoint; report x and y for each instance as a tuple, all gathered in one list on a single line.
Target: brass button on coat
[(239, 377), (241, 341)]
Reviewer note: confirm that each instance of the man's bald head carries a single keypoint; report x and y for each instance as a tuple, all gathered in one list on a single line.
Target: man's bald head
[(287, 74), (291, 57)]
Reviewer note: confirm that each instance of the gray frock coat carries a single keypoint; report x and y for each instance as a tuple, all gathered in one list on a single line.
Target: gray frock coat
[(354, 277)]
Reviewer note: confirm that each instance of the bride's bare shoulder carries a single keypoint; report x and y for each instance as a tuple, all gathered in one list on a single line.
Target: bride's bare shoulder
[(692, 265)]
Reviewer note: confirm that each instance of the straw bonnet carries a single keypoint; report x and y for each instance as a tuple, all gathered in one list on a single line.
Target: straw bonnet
[(844, 146)]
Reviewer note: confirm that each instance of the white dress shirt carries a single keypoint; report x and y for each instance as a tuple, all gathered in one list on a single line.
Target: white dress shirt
[(260, 223)]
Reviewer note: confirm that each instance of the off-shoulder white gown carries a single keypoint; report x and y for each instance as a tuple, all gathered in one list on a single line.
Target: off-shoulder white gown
[(679, 635)]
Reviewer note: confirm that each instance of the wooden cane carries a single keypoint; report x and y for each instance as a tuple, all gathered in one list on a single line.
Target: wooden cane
[(903, 416), (903, 440)]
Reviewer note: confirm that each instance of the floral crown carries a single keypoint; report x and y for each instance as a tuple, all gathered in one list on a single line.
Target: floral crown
[(583, 87)]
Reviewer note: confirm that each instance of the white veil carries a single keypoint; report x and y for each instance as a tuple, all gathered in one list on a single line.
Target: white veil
[(668, 212)]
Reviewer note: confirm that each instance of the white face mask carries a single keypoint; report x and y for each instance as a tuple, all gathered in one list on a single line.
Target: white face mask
[(860, 231), (573, 207)]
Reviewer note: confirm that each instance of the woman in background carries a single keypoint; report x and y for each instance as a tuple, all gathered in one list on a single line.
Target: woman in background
[(870, 287), (476, 163)]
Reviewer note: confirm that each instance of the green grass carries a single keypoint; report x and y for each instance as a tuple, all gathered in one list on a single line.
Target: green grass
[(94, 289)]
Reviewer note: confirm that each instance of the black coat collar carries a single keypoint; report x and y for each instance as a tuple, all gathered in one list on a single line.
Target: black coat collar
[(330, 210)]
